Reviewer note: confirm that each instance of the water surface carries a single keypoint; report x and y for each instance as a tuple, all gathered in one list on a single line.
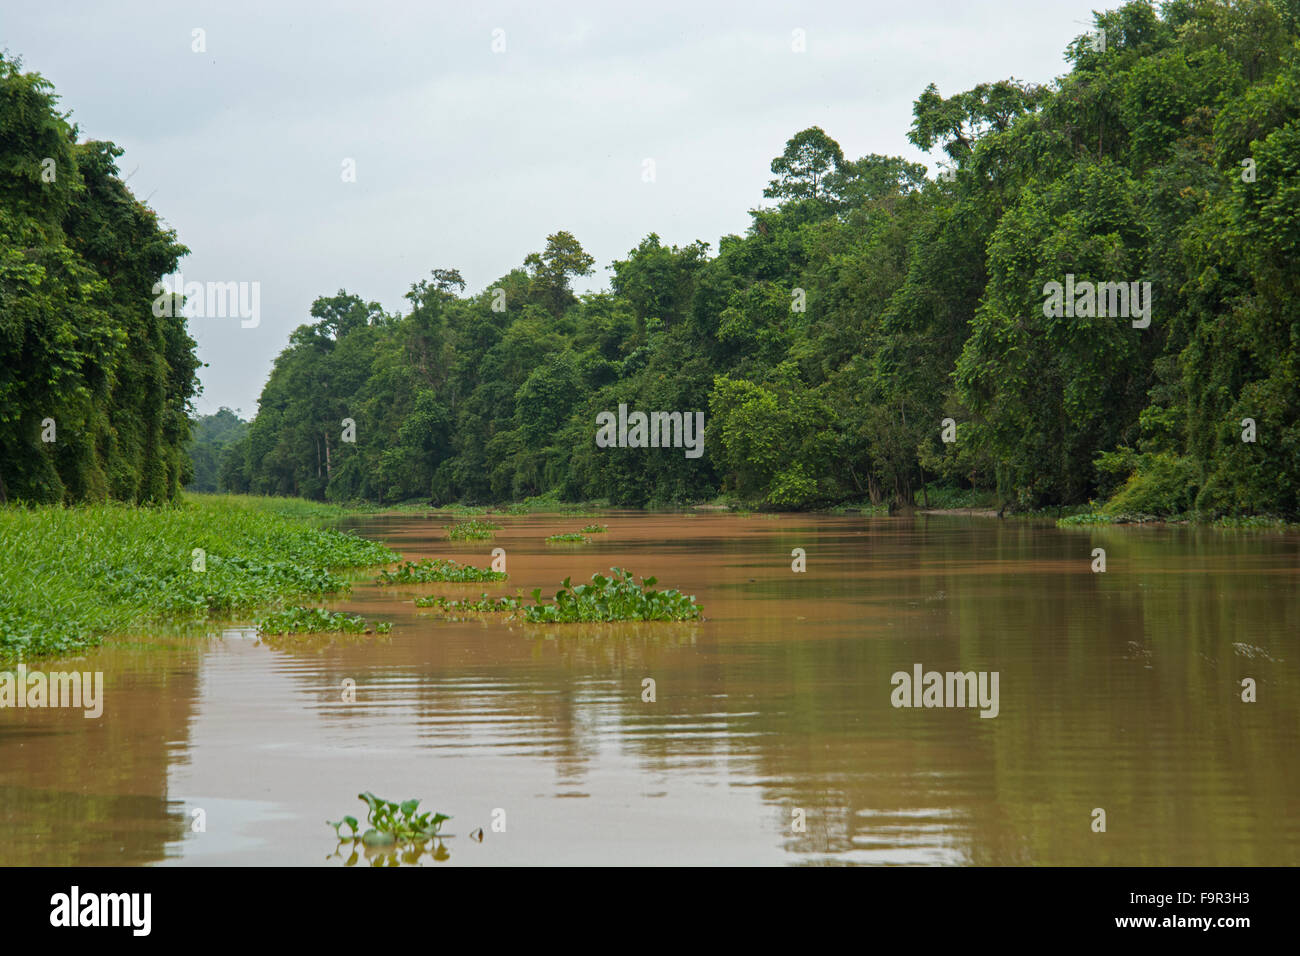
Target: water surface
[(1120, 691)]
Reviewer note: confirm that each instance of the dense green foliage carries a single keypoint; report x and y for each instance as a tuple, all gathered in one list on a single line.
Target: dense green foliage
[(210, 436), (94, 387), (68, 576), (830, 343)]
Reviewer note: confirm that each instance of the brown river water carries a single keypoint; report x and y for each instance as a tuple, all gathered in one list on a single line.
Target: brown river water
[(1120, 691)]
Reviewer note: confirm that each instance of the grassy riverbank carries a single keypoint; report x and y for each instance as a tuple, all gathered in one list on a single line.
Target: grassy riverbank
[(69, 576)]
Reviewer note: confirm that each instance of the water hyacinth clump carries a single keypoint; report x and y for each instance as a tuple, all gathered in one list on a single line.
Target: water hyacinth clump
[(472, 530), (391, 823), (595, 529), (482, 605), (571, 537), (615, 598), (438, 569), (317, 620)]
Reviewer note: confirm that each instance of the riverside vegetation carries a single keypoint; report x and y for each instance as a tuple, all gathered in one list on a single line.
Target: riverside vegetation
[(70, 575)]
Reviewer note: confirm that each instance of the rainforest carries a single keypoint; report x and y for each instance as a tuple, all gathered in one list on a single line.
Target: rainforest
[(865, 304)]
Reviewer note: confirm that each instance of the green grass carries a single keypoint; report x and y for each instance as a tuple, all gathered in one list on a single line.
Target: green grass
[(70, 576), (438, 569), (472, 530)]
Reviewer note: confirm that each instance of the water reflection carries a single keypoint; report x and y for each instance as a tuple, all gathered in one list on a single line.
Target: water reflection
[(415, 853)]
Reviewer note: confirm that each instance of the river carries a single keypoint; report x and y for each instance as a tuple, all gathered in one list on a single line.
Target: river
[(773, 736)]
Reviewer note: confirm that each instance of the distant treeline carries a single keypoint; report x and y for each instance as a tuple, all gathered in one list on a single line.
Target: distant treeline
[(94, 388), (867, 315), (828, 345), (213, 434)]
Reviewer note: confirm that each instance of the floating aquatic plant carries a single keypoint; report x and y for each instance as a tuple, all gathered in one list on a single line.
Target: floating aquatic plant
[(472, 530), (483, 604), (438, 569), (391, 823), (615, 598), (315, 620)]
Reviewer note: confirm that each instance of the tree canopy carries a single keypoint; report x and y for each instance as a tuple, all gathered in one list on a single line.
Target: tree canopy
[(871, 305), (95, 388)]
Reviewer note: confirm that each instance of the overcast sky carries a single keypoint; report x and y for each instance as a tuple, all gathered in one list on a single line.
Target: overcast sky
[(469, 158)]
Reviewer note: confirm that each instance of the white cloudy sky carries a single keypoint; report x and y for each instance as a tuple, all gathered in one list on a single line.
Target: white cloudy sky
[(468, 158)]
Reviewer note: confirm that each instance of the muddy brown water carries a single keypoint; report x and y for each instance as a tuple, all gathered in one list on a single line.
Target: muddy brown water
[(1118, 691)]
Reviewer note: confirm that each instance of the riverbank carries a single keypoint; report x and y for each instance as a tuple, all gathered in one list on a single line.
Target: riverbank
[(943, 502), (70, 576)]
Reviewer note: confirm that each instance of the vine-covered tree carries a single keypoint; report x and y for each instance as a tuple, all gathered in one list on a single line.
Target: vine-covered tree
[(95, 388)]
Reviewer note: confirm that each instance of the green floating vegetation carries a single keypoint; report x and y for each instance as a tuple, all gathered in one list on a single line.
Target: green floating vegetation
[(595, 529), (1256, 523), (438, 569), (391, 823), (1085, 519), (1104, 518), (472, 530), (1226, 523), (569, 537), (482, 605), (317, 620), (615, 598), (70, 576)]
